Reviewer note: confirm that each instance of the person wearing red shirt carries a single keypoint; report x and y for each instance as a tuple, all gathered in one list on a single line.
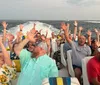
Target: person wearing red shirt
[(93, 69)]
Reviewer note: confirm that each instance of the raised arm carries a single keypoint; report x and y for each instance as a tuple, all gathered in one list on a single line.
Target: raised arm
[(48, 45), (19, 47), (80, 31), (6, 56), (75, 29), (89, 33), (64, 27), (46, 33), (4, 24), (19, 37), (97, 34)]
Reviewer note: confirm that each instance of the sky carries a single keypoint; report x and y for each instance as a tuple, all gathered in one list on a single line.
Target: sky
[(50, 9)]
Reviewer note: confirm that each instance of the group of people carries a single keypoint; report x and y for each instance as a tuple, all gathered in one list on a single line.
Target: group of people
[(36, 54), (84, 47)]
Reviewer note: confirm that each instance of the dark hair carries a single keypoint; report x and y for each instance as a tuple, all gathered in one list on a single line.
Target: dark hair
[(14, 46), (93, 41)]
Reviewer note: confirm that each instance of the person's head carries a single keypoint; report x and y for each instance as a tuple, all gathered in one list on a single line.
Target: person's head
[(81, 40), (30, 46), (14, 45), (53, 35), (10, 36), (63, 36), (38, 36), (93, 44), (38, 50), (43, 37), (97, 53)]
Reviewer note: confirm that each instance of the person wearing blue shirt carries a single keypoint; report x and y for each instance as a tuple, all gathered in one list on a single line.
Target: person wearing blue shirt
[(35, 65)]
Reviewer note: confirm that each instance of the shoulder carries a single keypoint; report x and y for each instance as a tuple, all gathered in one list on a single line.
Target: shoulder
[(25, 52), (91, 62)]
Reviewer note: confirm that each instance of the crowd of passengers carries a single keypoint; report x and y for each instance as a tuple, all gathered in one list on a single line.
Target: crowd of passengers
[(38, 53)]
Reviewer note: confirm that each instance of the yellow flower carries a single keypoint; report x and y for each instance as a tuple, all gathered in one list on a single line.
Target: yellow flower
[(3, 78)]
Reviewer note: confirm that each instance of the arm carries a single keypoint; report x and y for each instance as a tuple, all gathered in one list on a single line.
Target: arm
[(19, 36), (53, 70), (64, 27), (97, 34), (5, 54), (95, 81), (89, 33), (30, 37), (75, 29), (4, 24), (20, 46), (46, 33), (48, 45)]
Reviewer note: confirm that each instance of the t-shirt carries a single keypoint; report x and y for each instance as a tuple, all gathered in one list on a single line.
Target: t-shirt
[(93, 69), (33, 70), (54, 44), (79, 52), (66, 47)]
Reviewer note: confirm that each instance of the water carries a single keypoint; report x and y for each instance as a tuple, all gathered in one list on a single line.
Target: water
[(13, 24)]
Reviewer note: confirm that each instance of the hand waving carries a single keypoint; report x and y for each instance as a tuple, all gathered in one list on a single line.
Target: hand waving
[(89, 33), (4, 24), (75, 23), (31, 36), (80, 28), (21, 27), (63, 26)]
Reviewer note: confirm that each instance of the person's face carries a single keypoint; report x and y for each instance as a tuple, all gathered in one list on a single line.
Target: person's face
[(36, 51), (81, 40), (10, 36), (30, 46), (94, 45)]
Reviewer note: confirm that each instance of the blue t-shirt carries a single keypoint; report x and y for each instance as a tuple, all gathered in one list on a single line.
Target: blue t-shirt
[(33, 70)]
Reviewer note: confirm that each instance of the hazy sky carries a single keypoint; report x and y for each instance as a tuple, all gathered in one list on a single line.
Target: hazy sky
[(50, 9)]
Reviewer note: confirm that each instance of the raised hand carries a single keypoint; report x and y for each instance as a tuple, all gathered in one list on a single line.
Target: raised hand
[(63, 26), (4, 24), (31, 36), (80, 28), (75, 23), (33, 29), (19, 34), (21, 27), (95, 30), (89, 33), (34, 25)]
